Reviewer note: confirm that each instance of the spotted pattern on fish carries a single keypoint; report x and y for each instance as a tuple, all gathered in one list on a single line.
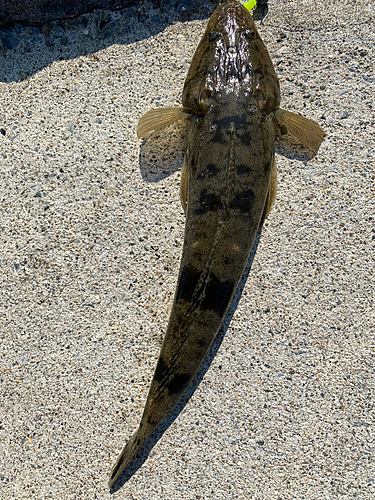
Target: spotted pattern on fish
[(232, 97)]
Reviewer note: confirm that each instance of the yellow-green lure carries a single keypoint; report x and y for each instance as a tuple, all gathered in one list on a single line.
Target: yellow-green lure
[(250, 4)]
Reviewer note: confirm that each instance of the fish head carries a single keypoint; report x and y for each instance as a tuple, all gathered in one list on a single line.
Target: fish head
[(231, 60)]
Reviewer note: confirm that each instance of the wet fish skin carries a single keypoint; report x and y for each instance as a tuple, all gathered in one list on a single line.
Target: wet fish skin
[(231, 97)]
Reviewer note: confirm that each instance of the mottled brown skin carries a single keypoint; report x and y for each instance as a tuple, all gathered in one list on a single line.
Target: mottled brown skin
[(231, 92)]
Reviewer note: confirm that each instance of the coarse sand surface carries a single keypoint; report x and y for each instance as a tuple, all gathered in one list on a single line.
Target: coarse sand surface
[(91, 233)]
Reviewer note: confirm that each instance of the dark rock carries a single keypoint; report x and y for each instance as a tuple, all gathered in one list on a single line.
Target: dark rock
[(22, 75), (103, 23), (80, 21), (40, 11), (17, 28), (37, 38), (9, 39), (184, 5)]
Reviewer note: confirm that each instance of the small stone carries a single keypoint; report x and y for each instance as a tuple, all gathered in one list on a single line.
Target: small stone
[(103, 23), (346, 114), (184, 5), (17, 28), (9, 39), (22, 75), (82, 21), (37, 38)]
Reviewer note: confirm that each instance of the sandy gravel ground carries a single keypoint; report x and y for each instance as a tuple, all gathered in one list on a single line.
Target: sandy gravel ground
[(90, 241)]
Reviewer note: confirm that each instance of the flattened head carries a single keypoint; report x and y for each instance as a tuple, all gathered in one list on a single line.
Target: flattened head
[(231, 21), (231, 59)]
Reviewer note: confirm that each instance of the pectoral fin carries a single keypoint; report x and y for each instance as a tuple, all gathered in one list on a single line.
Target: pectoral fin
[(308, 132), (158, 119)]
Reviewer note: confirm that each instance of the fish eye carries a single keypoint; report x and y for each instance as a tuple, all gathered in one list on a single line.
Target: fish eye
[(214, 36), (249, 35), (260, 98), (204, 96)]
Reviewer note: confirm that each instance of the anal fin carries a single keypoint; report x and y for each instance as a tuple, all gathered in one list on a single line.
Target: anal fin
[(184, 184), (271, 195)]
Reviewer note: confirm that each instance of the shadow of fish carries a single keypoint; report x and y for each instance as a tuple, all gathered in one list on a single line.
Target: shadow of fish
[(231, 103)]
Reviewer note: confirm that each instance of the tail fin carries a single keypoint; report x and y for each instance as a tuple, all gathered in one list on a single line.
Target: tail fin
[(130, 449)]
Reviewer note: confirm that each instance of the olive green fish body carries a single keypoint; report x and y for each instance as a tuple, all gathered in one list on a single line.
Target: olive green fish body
[(231, 94), (230, 149)]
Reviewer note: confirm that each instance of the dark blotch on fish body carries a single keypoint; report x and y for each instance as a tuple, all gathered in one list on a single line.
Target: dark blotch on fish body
[(243, 201), (160, 370), (212, 169), (179, 383), (188, 282), (217, 295), (208, 202), (232, 125), (243, 169)]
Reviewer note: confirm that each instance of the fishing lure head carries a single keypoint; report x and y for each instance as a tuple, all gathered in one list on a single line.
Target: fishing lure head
[(231, 59)]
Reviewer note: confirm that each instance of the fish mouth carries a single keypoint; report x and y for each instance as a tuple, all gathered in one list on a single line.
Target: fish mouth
[(232, 13), (231, 29), (230, 35)]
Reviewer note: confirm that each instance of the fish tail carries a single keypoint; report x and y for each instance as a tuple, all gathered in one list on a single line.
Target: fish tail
[(130, 449)]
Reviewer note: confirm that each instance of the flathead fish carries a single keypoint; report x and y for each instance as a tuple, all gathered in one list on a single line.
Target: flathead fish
[(231, 100)]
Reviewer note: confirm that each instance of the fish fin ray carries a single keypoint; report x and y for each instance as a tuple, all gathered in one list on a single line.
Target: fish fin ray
[(184, 185), (307, 131), (158, 119), (271, 195), (128, 452)]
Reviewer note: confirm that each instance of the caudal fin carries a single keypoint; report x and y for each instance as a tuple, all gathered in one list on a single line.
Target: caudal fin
[(131, 448)]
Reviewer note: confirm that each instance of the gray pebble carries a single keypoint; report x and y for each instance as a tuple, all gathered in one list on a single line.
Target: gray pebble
[(184, 5), (17, 28), (64, 40), (9, 39)]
